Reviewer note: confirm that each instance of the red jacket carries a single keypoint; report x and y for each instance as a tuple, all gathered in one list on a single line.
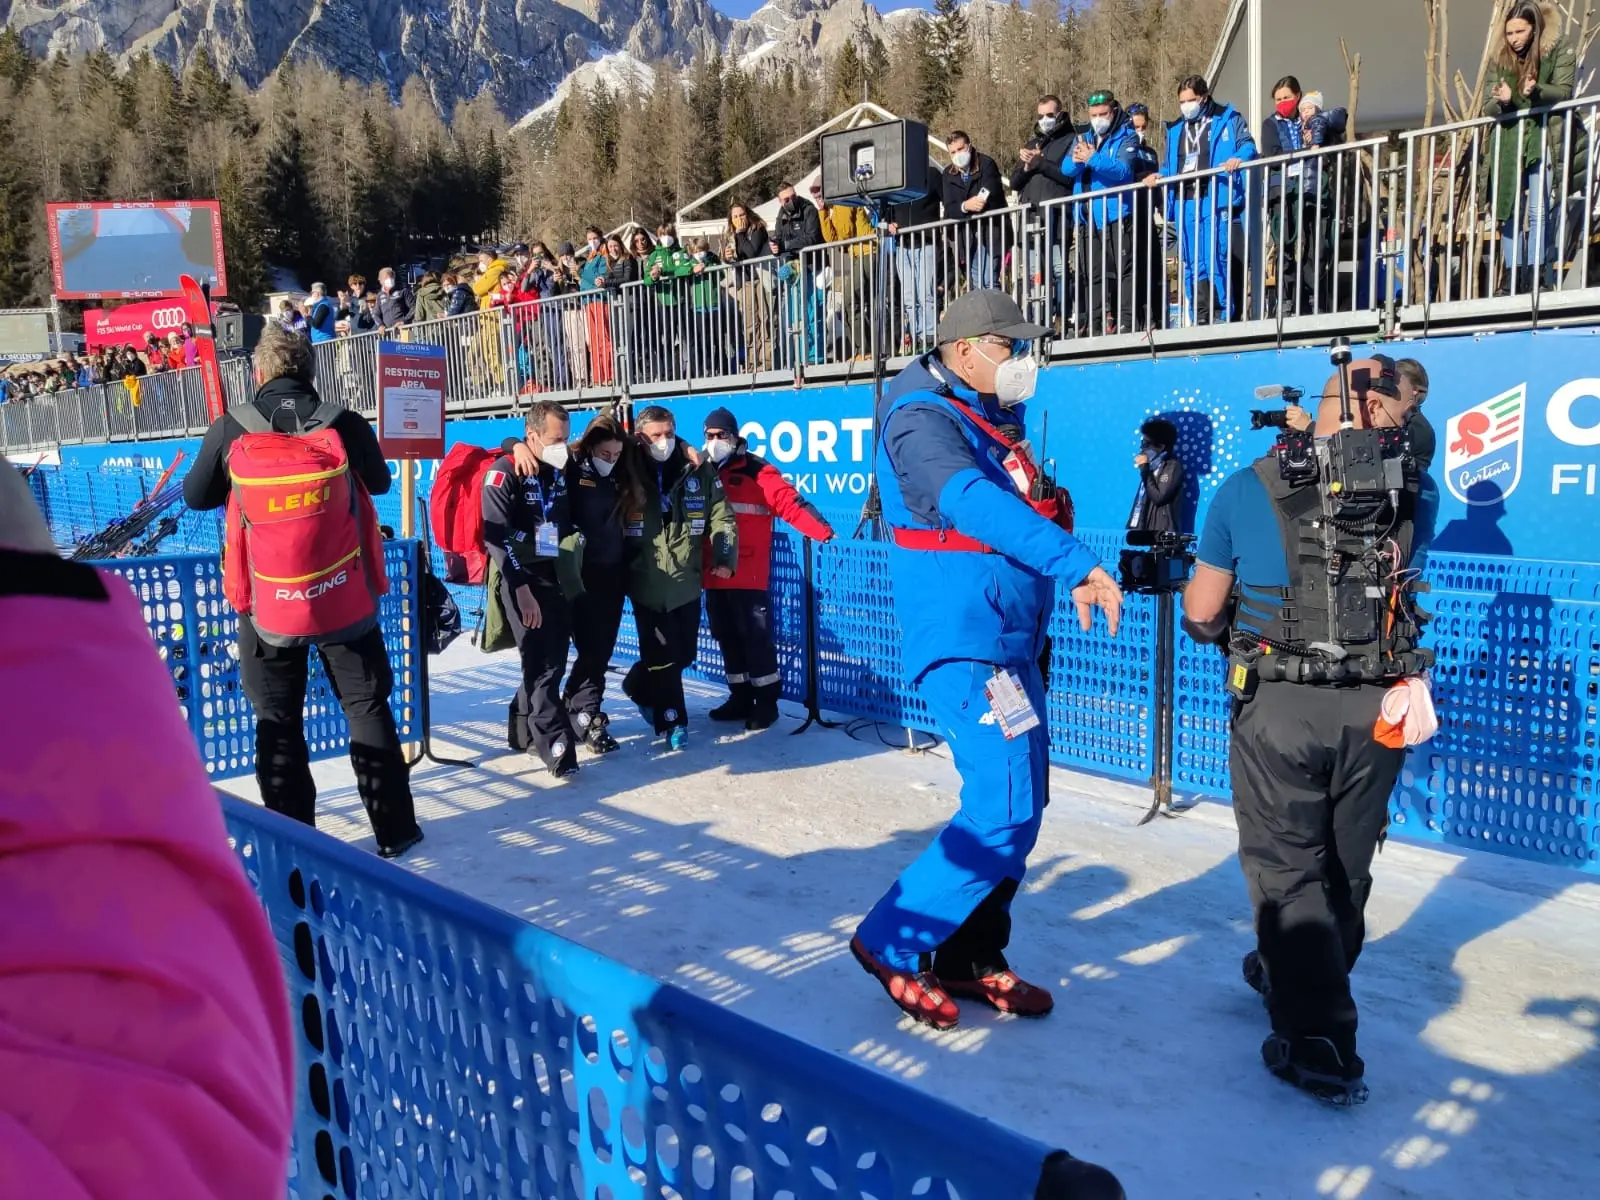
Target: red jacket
[(759, 493)]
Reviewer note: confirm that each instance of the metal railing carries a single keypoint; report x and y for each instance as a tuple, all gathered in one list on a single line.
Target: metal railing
[(1487, 223), (1500, 214)]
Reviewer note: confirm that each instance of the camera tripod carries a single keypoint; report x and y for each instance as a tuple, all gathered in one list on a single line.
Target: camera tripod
[(1166, 688)]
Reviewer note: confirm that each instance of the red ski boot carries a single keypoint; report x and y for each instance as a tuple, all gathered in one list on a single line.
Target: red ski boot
[(1004, 991), (918, 993)]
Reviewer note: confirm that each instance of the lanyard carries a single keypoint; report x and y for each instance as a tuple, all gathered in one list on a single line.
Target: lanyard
[(1193, 134)]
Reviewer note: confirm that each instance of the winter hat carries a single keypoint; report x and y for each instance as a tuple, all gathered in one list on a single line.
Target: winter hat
[(721, 418), (1312, 100)]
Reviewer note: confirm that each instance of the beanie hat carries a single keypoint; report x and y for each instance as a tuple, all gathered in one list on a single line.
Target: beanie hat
[(721, 418)]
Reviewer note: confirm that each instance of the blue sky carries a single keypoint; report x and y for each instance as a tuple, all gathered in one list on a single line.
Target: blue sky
[(743, 8)]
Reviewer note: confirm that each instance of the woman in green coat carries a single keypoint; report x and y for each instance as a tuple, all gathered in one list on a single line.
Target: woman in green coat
[(1536, 68)]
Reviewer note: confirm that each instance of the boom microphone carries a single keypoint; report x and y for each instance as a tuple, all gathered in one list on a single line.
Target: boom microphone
[(1269, 391)]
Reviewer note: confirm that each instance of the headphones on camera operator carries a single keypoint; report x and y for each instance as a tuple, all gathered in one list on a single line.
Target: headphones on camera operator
[(1345, 505)]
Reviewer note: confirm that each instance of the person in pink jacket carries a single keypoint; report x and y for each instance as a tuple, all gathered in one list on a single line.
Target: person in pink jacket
[(144, 1023)]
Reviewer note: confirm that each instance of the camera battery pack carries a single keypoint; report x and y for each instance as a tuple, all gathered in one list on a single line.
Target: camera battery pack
[(1243, 676)]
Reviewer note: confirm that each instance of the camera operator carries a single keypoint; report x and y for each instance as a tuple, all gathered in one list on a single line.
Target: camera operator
[(1312, 764), (1156, 503)]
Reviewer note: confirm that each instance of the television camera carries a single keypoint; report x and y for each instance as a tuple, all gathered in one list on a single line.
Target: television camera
[(1156, 561)]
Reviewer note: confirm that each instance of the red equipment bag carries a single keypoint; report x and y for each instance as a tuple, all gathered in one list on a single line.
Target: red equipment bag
[(457, 512), (304, 554)]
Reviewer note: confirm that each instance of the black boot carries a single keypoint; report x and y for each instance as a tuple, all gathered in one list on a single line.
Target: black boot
[(1331, 1073), (1255, 974), (763, 709), (597, 734), (563, 759), (736, 707)]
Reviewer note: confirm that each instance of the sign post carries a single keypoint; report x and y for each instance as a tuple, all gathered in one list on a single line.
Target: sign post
[(410, 414)]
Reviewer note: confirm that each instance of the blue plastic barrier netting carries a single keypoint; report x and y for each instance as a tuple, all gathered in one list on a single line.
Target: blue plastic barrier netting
[(196, 633), (446, 1049), (78, 502)]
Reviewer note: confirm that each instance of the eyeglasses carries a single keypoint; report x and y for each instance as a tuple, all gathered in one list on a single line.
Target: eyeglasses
[(1012, 348)]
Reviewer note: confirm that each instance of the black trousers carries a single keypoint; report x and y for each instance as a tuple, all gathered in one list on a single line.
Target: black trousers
[(1106, 278), (596, 617), (274, 681), (668, 643), (741, 621), (538, 718), (1311, 794)]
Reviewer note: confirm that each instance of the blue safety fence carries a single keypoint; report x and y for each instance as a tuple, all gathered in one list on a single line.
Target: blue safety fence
[(196, 633), (447, 1049), (78, 502)]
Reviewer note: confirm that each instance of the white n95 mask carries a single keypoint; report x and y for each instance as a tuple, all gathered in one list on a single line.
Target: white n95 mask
[(1015, 380)]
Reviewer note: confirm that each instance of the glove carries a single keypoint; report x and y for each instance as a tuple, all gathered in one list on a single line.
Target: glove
[(1407, 717)]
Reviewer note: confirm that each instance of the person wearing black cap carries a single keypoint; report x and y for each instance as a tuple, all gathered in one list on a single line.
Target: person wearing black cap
[(973, 573), (738, 607), (1320, 630)]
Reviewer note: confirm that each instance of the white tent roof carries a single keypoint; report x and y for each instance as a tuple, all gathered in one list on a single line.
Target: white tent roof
[(1263, 40)]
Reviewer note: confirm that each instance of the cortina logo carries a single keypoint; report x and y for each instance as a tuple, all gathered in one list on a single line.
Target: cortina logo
[(315, 590), (1483, 448)]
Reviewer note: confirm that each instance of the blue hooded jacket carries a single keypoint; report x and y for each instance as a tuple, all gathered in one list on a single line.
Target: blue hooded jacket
[(937, 470), (1118, 159), (1228, 136)]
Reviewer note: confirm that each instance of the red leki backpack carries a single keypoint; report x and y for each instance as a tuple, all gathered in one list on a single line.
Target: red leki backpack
[(304, 554), (457, 512)]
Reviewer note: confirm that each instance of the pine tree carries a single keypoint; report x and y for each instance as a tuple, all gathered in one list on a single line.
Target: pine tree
[(20, 211), (243, 235), (16, 64)]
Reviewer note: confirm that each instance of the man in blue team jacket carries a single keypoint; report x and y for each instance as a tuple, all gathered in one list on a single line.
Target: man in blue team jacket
[(1204, 210), (1108, 155), (973, 572)]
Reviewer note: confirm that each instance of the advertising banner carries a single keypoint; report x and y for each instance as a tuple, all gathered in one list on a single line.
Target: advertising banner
[(411, 400), (125, 326)]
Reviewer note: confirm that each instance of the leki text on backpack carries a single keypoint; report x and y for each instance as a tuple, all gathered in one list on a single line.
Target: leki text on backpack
[(304, 554)]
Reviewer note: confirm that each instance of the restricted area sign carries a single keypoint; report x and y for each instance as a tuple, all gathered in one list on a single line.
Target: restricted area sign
[(411, 400)]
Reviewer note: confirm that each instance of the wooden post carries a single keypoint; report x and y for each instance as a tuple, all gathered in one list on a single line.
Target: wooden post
[(408, 497)]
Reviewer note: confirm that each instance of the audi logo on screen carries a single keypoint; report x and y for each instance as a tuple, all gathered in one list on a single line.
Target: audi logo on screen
[(167, 318)]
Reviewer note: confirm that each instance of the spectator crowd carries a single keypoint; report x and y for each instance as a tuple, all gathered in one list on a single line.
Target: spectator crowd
[(1103, 224), (108, 364)]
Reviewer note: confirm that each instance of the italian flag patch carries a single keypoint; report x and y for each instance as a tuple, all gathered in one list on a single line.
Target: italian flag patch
[(494, 479)]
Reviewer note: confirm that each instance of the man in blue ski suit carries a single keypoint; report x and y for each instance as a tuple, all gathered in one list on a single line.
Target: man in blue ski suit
[(1205, 211), (973, 571)]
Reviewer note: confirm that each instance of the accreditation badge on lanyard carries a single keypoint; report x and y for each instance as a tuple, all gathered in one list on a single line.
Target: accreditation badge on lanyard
[(1010, 704), (1193, 136)]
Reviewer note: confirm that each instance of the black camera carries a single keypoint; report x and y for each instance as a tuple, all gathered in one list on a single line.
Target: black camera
[(1156, 562), (1277, 418)]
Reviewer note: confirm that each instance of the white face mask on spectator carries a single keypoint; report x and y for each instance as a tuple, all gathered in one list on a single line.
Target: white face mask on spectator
[(667, 240), (1189, 108), (386, 284), (661, 449), (962, 159), (1100, 125), (718, 449), (1047, 123), (603, 467), (556, 455)]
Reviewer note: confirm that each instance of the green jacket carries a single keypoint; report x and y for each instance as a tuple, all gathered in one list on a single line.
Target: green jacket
[(1516, 142), (665, 550), (706, 291), (675, 263), (430, 302)]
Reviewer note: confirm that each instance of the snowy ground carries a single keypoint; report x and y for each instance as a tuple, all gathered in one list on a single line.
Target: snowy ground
[(737, 870)]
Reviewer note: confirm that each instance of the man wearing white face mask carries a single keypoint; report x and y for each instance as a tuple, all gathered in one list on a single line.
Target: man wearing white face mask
[(973, 574), (738, 606), (682, 514), (971, 189), (1039, 178), (1108, 156), (525, 521)]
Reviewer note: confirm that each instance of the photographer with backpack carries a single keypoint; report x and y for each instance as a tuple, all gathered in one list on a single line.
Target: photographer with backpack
[(303, 566)]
